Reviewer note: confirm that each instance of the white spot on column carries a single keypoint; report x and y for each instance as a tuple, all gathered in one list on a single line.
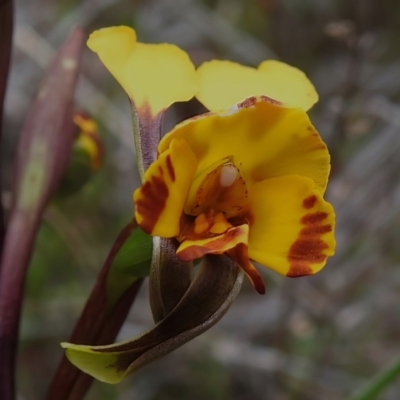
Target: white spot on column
[(228, 175)]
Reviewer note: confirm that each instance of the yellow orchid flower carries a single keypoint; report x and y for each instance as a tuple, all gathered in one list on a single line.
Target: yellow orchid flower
[(247, 183)]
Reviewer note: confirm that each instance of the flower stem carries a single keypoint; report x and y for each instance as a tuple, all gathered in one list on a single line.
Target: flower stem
[(17, 251), (379, 383), (6, 31), (42, 157), (147, 134)]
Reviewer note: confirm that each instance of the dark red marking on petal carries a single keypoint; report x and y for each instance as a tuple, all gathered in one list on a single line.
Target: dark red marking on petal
[(309, 202), (270, 100), (308, 247), (170, 168), (307, 250), (314, 218), (299, 270), (249, 102), (152, 203), (316, 230), (214, 246), (239, 254)]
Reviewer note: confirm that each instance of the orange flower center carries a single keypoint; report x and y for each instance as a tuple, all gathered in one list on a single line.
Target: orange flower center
[(215, 220), (218, 199)]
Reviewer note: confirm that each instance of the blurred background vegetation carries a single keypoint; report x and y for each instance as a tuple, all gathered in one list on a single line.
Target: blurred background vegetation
[(314, 338)]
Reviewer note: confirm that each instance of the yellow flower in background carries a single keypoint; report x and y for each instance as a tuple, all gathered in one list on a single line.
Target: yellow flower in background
[(247, 183), (88, 138), (86, 158), (153, 75)]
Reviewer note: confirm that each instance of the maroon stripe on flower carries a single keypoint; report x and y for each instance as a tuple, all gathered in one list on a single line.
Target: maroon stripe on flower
[(152, 204), (308, 247), (309, 202), (170, 168)]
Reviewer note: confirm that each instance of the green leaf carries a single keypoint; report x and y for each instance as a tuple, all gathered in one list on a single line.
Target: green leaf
[(379, 383), (130, 263)]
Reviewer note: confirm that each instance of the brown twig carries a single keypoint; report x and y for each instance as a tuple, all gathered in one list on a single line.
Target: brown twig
[(97, 325)]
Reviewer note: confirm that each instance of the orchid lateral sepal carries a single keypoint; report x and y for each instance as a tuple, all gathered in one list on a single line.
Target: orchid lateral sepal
[(208, 298), (169, 278), (107, 306)]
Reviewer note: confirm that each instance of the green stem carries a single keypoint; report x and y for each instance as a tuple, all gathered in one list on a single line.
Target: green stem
[(379, 383)]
